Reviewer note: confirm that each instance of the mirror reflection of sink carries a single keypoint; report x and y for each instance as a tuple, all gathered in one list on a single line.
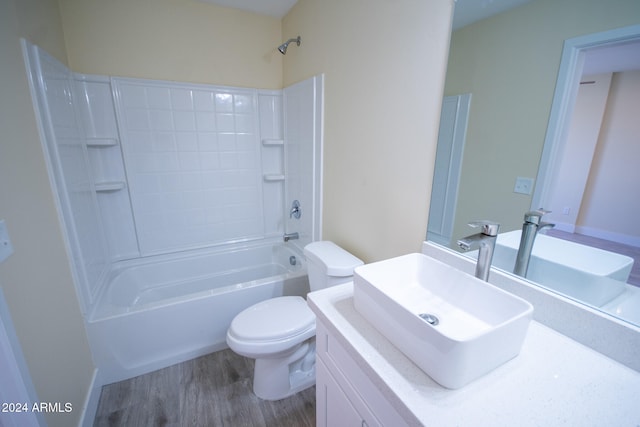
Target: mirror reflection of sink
[(591, 275), (454, 326)]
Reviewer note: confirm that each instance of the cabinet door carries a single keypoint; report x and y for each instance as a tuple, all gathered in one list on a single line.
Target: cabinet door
[(334, 405)]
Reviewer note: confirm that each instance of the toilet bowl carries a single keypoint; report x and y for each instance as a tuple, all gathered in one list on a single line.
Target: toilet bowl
[(280, 332)]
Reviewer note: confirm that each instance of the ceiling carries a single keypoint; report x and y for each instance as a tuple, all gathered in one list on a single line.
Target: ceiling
[(275, 8), (470, 11), (466, 12)]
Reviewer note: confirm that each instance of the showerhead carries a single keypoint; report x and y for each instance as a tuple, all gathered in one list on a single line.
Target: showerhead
[(283, 47)]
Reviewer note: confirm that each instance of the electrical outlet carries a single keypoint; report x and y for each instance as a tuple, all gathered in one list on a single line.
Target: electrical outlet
[(6, 249), (566, 211), (523, 185)]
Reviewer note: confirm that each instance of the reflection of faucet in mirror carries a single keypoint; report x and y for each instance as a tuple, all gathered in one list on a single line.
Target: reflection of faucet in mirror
[(485, 242), (532, 224)]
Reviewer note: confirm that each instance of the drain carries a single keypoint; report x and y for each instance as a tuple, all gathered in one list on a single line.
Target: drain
[(429, 318), (293, 260)]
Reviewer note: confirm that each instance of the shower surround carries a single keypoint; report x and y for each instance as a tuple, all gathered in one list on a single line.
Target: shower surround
[(147, 173)]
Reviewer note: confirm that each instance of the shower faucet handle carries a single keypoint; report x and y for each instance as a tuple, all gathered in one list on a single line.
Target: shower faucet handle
[(295, 211)]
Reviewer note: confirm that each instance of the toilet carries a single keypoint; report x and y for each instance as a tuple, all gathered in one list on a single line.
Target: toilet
[(280, 332)]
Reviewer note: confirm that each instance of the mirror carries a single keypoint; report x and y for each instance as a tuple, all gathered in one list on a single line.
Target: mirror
[(522, 88)]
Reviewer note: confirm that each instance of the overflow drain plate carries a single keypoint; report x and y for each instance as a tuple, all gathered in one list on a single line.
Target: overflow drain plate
[(429, 318)]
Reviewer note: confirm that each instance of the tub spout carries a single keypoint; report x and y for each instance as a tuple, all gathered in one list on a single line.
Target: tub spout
[(290, 236)]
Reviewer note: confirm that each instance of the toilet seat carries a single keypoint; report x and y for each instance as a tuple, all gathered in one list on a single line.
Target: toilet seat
[(271, 326)]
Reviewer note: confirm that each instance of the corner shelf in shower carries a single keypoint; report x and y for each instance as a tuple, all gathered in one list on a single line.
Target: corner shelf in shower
[(102, 142), (273, 177), (272, 142), (109, 186)]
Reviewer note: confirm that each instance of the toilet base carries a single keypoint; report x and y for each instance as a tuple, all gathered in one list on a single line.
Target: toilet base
[(275, 379)]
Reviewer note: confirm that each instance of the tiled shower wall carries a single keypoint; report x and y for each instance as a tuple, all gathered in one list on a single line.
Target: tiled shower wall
[(196, 169), (144, 167)]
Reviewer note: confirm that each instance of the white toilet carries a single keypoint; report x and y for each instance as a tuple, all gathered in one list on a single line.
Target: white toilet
[(280, 332)]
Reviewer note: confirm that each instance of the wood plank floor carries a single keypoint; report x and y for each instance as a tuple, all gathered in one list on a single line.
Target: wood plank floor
[(607, 245), (213, 390)]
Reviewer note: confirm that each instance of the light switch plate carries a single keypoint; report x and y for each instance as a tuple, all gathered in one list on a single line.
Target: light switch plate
[(6, 249), (523, 185)]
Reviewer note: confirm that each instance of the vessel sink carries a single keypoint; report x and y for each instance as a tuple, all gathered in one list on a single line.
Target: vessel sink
[(590, 275), (455, 327)]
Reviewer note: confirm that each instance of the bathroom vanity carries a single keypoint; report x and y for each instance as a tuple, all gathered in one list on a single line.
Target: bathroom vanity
[(363, 379)]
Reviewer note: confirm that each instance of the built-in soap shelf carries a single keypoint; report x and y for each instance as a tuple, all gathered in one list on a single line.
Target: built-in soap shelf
[(275, 156), (272, 177), (106, 187), (102, 142), (272, 142)]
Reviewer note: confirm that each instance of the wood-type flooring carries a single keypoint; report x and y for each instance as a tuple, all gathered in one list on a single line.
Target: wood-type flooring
[(210, 391)]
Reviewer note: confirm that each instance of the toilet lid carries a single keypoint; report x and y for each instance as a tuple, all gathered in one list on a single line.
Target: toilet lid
[(275, 318)]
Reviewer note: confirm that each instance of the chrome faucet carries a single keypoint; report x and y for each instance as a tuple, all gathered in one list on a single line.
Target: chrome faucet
[(290, 236), (485, 242), (295, 211), (532, 224)]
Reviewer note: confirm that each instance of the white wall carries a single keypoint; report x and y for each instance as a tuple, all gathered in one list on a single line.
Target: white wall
[(593, 190), (611, 204), (570, 181)]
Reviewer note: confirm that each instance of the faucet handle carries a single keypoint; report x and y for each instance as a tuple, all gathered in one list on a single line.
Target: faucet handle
[(534, 216), (490, 228)]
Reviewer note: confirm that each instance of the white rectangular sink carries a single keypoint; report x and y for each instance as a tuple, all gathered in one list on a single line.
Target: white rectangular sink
[(590, 260), (479, 326), (588, 274)]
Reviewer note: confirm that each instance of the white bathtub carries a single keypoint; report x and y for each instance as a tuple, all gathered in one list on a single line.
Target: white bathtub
[(164, 310)]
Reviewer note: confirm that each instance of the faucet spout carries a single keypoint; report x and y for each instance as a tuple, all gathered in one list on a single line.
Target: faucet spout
[(290, 236), (532, 224), (485, 242)]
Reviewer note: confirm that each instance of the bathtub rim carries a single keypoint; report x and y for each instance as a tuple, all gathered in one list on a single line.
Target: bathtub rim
[(96, 314)]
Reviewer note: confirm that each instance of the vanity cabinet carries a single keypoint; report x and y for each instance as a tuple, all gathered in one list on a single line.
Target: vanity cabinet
[(345, 396)]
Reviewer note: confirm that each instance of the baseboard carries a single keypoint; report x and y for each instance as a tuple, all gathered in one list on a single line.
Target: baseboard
[(90, 407), (565, 226), (608, 235)]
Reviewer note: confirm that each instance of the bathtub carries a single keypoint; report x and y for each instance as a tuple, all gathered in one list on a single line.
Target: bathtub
[(163, 310)]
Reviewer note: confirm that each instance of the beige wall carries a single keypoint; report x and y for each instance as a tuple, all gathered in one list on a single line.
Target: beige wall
[(510, 64), (182, 40), (384, 64), (36, 279), (382, 110)]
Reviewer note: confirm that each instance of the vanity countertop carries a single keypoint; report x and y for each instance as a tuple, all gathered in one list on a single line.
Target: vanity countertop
[(554, 381)]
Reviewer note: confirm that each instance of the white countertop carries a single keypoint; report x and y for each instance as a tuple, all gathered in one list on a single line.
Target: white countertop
[(554, 381)]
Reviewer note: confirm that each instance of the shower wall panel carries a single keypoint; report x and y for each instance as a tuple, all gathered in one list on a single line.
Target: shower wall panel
[(63, 138), (272, 155), (303, 110), (95, 102), (142, 167), (192, 156)]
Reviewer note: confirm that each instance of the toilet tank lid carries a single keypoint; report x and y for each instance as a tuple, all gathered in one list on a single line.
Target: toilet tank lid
[(337, 261)]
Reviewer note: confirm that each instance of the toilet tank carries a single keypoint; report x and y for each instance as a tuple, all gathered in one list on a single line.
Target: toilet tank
[(329, 265)]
